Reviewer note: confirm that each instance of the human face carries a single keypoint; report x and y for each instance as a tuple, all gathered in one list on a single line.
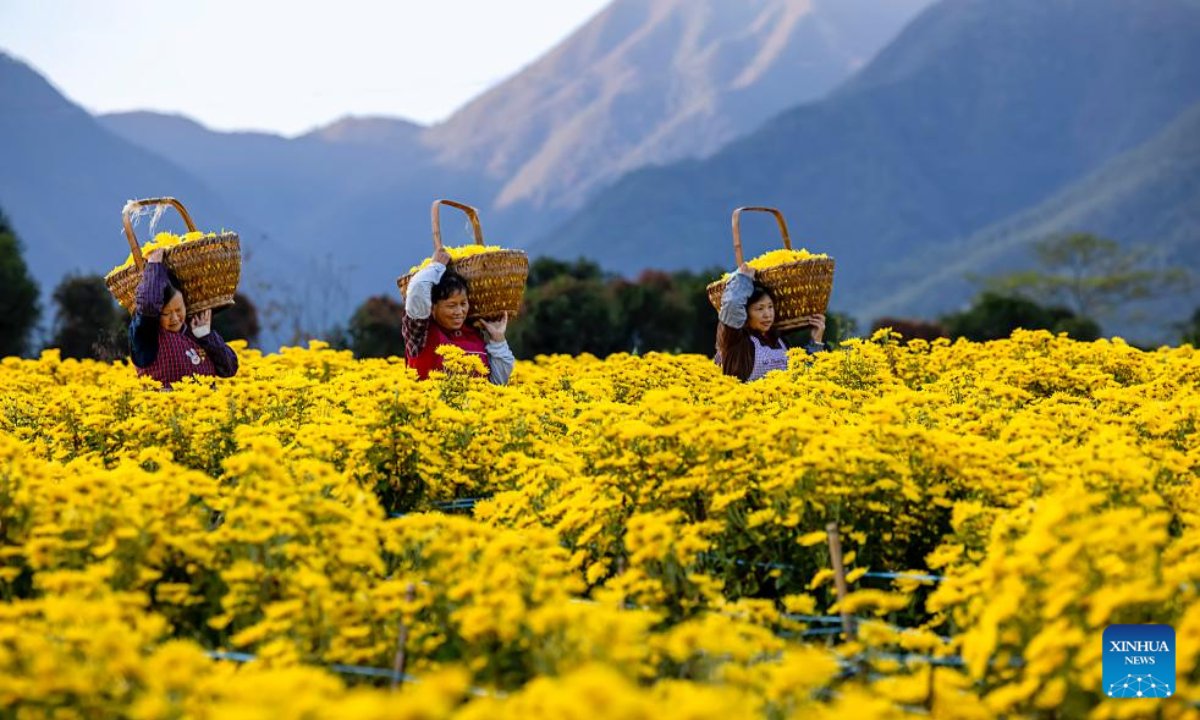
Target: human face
[(761, 314), (450, 313), (173, 314)]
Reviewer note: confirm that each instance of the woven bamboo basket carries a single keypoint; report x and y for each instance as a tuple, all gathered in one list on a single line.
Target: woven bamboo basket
[(206, 271), (800, 288), (497, 279)]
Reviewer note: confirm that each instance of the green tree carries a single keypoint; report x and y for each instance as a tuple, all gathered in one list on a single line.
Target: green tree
[(994, 316), (376, 328), (698, 325), (544, 269), (88, 323), (1092, 276), (1191, 330), (19, 308), (567, 315), (238, 321), (652, 314)]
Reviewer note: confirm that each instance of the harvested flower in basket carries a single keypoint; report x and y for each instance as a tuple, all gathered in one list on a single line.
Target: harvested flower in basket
[(461, 253), (162, 241), (206, 267), (782, 257)]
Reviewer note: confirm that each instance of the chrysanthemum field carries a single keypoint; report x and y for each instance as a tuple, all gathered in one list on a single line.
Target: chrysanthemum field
[(635, 537)]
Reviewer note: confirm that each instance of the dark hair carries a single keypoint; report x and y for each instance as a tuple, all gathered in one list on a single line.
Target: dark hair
[(450, 284), (169, 293), (734, 344)]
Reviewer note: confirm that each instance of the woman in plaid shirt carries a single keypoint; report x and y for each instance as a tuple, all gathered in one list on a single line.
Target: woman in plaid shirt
[(163, 344)]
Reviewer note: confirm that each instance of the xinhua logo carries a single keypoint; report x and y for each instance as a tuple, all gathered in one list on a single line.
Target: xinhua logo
[(1139, 661)]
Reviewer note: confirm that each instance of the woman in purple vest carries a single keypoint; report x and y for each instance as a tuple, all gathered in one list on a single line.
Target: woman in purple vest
[(748, 345), (164, 345)]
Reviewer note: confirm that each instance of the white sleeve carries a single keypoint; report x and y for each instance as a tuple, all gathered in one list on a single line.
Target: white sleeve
[(418, 303), (500, 362)]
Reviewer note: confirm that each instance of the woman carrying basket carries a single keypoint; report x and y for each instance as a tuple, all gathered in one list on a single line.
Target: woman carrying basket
[(435, 314), (165, 344), (748, 346)]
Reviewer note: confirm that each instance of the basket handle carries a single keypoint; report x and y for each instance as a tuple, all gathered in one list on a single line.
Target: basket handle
[(435, 217), (737, 229), (133, 204)]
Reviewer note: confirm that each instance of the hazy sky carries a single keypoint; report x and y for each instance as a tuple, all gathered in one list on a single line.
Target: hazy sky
[(286, 67)]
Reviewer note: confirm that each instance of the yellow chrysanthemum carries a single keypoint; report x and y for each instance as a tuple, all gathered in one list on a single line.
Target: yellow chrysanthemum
[(782, 257), (162, 241), (460, 253)]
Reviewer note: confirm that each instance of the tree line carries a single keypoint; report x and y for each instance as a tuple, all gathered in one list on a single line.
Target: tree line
[(575, 307)]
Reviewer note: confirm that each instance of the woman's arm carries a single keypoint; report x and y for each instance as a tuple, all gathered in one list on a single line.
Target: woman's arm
[(500, 356), (733, 299), (143, 340), (816, 324), (148, 302), (148, 299), (418, 306), (224, 359), (418, 302), (500, 362)]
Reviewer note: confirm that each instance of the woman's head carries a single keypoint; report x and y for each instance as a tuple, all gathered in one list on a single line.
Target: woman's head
[(760, 310), (450, 303), (174, 310)]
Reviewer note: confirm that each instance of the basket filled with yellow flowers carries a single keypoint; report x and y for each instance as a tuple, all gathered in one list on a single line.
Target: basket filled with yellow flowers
[(205, 266), (799, 281), (495, 275)]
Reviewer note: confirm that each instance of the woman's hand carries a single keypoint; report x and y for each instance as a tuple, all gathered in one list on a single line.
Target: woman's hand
[(817, 324), (496, 328), (441, 256), (154, 255), (201, 323), (746, 270)]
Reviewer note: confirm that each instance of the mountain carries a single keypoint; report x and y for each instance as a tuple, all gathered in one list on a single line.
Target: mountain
[(678, 78), (64, 180), (978, 110), (647, 82), (1149, 196)]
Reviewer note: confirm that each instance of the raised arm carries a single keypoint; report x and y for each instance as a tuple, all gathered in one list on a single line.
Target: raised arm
[(148, 303), (733, 299), (500, 356), (224, 359), (418, 303)]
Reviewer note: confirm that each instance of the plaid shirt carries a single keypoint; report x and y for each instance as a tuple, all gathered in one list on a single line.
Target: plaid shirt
[(415, 332)]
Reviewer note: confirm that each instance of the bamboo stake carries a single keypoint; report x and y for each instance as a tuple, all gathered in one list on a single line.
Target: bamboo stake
[(398, 664), (839, 577)]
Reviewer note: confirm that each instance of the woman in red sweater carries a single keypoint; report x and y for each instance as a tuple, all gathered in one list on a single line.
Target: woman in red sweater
[(435, 314)]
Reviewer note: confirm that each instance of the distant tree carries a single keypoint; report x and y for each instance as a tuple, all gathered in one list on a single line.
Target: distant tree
[(653, 314), (375, 328), (19, 308), (911, 329), (839, 327), (994, 316), (698, 326), (544, 269), (238, 321), (1191, 330), (567, 315), (1092, 276), (88, 323)]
